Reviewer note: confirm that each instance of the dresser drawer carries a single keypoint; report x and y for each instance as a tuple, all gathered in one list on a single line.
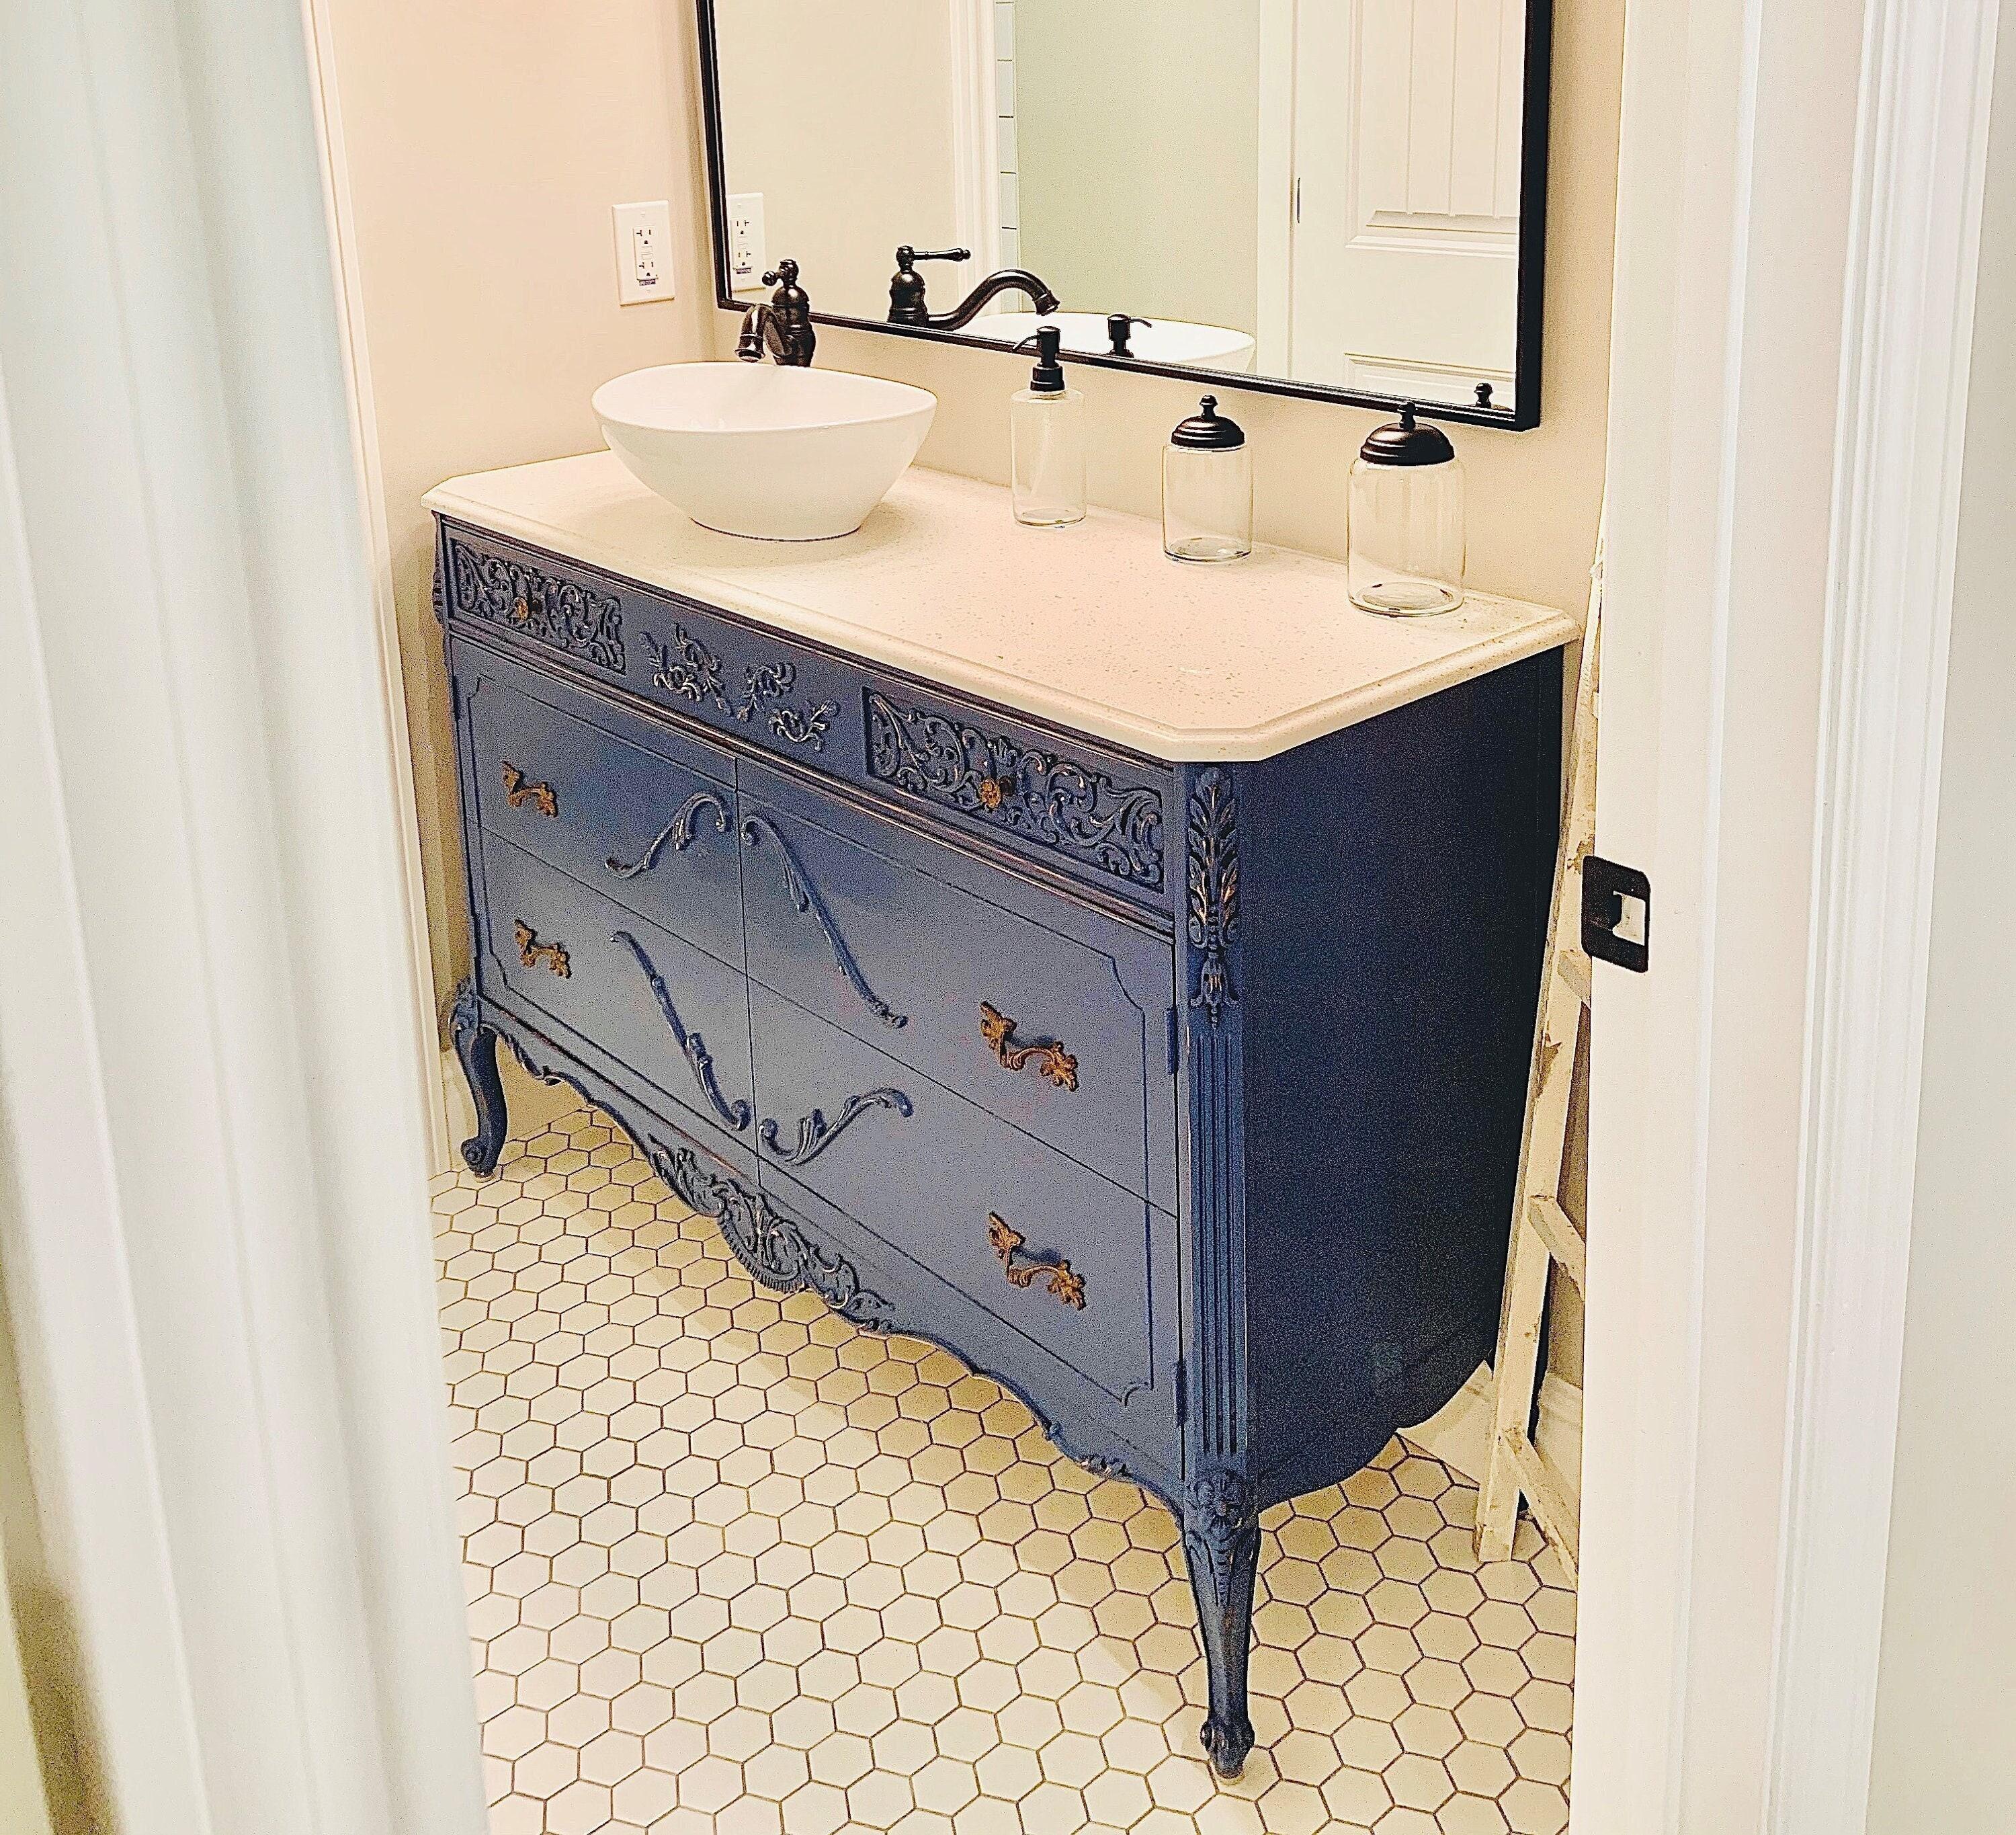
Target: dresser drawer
[(785, 697), (966, 972), (565, 778), (1068, 1259), (1093, 813), (671, 1013)]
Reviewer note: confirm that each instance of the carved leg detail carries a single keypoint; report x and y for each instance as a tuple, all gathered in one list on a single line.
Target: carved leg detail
[(475, 1045), (1222, 1546)]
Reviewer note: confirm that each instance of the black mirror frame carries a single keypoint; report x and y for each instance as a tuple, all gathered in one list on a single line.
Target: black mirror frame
[(1522, 417)]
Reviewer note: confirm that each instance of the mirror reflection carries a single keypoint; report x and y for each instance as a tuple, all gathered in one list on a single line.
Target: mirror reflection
[(1324, 192)]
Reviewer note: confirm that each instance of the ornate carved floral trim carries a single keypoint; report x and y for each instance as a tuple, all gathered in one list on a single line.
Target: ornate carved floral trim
[(816, 1134), (1214, 892), (1043, 796), (806, 899), (678, 834), (686, 667), (1223, 1510), (564, 615), (766, 1243), (692, 1047)]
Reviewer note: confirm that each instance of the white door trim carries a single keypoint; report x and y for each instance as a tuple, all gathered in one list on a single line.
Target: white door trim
[(371, 489), (976, 148), (1275, 329), (1795, 261), (1921, 174)]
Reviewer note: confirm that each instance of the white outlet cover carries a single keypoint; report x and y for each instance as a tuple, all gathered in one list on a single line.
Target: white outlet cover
[(643, 252), (747, 257)]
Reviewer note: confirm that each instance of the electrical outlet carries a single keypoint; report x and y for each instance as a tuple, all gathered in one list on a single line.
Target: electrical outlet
[(643, 252), (747, 258)]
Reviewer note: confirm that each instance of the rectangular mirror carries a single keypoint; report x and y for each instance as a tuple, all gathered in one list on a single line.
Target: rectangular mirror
[(1335, 199)]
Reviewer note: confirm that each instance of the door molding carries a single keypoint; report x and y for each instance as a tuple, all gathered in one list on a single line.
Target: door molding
[(349, 281), (1799, 191), (1921, 163), (1274, 331), (976, 149)]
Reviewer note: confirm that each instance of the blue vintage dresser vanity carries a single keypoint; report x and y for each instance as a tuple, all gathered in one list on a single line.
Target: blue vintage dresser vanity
[(1121, 973)]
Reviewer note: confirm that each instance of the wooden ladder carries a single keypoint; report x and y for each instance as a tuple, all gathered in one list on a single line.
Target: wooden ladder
[(1544, 1236)]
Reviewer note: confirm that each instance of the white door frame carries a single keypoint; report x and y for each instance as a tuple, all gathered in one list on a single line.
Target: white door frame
[(1921, 171), (1782, 525), (426, 1044), (976, 138), (1275, 330), (208, 1078)]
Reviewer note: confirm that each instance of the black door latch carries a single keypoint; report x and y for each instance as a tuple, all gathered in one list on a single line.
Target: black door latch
[(1616, 913)]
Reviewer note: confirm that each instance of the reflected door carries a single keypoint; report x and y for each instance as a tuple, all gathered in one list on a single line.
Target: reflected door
[(1406, 238)]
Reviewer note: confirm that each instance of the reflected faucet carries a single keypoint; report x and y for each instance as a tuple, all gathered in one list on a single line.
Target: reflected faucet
[(782, 325), (906, 290)]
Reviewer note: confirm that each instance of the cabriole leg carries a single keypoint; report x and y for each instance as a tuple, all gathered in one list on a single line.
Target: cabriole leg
[(1221, 1546), (476, 1045)]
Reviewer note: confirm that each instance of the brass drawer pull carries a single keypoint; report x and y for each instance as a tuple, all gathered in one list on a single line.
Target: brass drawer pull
[(1052, 1061), (1059, 1278), (532, 951), (519, 791)]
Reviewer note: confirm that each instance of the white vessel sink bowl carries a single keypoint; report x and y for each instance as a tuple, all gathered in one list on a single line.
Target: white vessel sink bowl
[(1167, 340), (754, 449)]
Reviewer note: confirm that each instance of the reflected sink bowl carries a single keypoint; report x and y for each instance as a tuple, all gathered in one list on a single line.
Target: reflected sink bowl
[(1167, 340), (753, 449)]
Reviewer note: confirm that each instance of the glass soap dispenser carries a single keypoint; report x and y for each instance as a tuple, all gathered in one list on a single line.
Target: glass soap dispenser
[(1207, 489), (1047, 440), (1406, 535)]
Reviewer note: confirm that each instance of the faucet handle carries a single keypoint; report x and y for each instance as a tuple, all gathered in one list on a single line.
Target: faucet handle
[(906, 286), (784, 326), (789, 298)]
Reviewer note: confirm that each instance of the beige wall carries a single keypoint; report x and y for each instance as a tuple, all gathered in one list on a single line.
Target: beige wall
[(838, 114), (1946, 1694), (485, 146), (1127, 202)]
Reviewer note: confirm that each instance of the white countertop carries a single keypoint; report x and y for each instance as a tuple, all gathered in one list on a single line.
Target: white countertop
[(1092, 627)]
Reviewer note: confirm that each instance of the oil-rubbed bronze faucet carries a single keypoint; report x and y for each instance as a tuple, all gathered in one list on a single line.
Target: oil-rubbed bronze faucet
[(783, 326), (906, 290)]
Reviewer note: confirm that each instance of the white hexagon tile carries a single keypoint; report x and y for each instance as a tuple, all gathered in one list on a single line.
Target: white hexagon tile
[(737, 1567)]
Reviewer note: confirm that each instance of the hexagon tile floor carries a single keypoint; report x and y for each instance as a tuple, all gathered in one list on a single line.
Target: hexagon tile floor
[(735, 1567)]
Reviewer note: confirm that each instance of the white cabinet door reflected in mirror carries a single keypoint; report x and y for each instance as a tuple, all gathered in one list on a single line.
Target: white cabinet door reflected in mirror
[(1328, 196)]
